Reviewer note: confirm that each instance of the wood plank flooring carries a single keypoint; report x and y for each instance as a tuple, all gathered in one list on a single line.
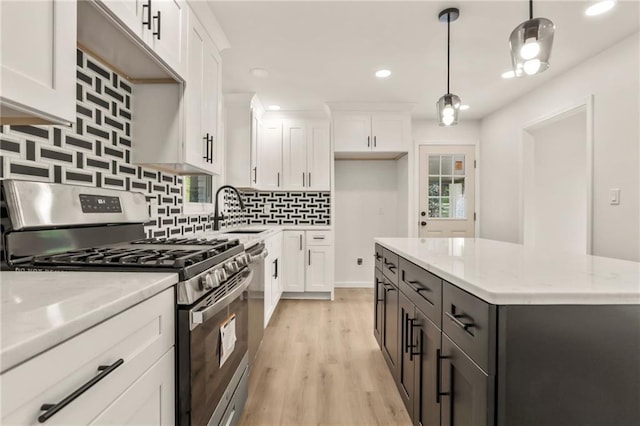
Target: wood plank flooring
[(319, 364)]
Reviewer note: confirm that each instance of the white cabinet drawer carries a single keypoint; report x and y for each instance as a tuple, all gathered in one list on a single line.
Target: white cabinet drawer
[(139, 336), (319, 238)]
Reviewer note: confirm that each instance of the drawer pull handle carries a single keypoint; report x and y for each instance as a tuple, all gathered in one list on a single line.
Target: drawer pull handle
[(321, 237), (51, 409), (411, 324), (459, 323), (417, 287), (378, 257), (388, 287), (439, 358), (390, 266)]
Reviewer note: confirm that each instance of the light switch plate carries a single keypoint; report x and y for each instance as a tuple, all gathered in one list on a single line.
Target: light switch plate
[(614, 196)]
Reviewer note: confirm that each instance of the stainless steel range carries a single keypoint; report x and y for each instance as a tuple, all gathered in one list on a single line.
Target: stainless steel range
[(54, 227)]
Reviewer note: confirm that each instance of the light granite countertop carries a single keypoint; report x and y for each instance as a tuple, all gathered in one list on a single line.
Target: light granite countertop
[(42, 309), (511, 274)]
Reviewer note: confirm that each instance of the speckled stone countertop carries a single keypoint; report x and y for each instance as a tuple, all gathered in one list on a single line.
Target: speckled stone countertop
[(43, 309)]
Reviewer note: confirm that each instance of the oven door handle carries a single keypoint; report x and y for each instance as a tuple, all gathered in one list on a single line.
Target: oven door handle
[(200, 316)]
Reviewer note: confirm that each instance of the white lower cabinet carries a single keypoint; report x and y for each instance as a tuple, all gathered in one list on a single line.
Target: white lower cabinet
[(128, 359), (307, 257), (272, 271)]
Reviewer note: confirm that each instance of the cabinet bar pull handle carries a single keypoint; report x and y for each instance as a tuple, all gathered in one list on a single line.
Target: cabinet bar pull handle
[(255, 175), (303, 179), (374, 141), (405, 332), (158, 17), (368, 140), (309, 257), (411, 346), (51, 409), (459, 323), (148, 7), (300, 242), (318, 237), (278, 179), (206, 148), (309, 180), (439, 358)]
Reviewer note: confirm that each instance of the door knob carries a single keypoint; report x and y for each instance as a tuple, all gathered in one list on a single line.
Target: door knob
[(423, 214), (423, 223)]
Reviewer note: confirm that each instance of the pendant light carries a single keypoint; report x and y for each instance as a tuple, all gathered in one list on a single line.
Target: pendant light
[(531, 44), (449, 104)]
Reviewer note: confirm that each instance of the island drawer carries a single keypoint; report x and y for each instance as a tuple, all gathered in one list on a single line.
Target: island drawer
[(378, 257), (471, 323), (423, 288), (390, 262)]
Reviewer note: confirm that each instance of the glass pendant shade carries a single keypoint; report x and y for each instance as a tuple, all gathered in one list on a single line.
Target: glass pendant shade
[(531, 44), (448, 108)]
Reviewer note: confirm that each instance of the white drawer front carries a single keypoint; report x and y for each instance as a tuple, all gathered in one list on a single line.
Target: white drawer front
[(319, 238), (139, 336)]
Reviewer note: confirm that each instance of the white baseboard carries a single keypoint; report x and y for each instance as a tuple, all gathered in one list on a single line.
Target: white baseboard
[(307, 295), (354, 284)]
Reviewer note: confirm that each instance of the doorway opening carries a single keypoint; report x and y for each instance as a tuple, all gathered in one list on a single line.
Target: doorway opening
[(558, 180)]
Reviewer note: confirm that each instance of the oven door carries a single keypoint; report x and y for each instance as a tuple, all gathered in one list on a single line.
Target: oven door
[(203, 383)]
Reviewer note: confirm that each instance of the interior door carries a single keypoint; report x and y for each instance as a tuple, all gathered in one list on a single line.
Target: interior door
[(447, 191)]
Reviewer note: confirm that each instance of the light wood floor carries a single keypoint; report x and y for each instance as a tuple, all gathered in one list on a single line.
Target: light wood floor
[(319, 364)]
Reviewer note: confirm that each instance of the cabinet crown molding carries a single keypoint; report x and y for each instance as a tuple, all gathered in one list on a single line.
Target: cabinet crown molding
[(371, 106)]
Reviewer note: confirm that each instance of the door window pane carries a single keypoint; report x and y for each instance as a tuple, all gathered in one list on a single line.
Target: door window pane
[(447, 165), (434, 186), (434, 207), (434, 164)]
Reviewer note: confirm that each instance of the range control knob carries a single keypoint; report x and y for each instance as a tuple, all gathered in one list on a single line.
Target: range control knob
[(206, 281), (232, 267), (220, 275), (242, 260)]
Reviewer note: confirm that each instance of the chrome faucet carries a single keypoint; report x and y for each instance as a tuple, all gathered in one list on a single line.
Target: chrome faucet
[(217, 217)]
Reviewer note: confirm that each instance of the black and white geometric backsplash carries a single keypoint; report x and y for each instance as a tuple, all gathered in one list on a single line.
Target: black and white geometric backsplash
[(96, 151), (287, 208)]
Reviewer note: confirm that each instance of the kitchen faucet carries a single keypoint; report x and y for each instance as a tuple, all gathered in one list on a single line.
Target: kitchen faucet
[(217, 217)]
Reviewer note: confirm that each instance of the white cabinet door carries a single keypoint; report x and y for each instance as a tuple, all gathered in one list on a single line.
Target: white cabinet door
[(270, 155), (352, 132), (390, 132), (255, 131), (167, 34), (38, 61), (201, 100), (211, 106), (269, 270), (294, 154), (293, 248), (149, 401), (134, 14), (319, 156), (319, 268)]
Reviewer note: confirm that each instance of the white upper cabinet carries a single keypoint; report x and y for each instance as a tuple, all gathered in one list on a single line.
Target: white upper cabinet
[(37, 64), (160, 24), (294, 154), (243, 112), (270, 155), (352, 132), (375, 133), (305, 155), (318, 156), (177, 126), (201, 100)]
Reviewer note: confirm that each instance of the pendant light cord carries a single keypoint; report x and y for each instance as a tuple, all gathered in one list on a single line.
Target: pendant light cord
[(530, 9), (448, 49)]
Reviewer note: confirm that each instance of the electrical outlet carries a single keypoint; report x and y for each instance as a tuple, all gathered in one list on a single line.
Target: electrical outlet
[(359, 261)]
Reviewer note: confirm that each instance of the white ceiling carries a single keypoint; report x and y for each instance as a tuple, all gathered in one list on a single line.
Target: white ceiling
[(327, 51)]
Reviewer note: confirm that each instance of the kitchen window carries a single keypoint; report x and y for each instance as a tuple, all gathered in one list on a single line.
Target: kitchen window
[(198, 193)]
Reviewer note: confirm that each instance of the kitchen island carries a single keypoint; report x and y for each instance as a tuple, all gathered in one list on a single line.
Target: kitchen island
[(480, 332)]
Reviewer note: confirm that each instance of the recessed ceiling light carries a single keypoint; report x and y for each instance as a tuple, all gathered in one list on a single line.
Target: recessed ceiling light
[(600, 7), (464, 107), (383, 73), (259, 72), (274, 107), (508, 74)]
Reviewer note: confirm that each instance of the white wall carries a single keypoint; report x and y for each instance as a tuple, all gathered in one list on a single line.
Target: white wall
[(465, 132), (366, 206), (612, 77), (555, 190)]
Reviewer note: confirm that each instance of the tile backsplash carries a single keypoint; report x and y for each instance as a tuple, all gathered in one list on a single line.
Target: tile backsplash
[(96, 151)]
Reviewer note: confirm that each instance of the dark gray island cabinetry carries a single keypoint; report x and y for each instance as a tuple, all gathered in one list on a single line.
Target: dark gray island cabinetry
[(531, 352)]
